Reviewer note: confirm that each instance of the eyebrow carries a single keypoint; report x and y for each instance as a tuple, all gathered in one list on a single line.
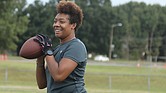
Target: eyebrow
[(61, 18)]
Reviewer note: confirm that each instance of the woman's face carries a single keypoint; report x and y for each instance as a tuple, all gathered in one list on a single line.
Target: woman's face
[(62, 26)]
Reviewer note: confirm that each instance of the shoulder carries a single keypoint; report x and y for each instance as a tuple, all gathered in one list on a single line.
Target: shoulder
[(76, 51), (77, 44)]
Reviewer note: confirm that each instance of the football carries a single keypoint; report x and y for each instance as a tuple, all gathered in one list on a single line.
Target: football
[(31, 49)]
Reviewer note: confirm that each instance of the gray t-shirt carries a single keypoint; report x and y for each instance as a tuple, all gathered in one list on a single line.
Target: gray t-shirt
[(74, 83)]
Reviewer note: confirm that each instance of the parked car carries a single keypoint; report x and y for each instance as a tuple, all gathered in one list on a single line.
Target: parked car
[(101, 58)]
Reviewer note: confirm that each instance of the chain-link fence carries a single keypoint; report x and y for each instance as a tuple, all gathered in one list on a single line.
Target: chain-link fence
[(23, 81)]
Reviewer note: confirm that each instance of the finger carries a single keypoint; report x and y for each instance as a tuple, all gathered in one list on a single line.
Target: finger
[(36, 39), (39, 40), (43, 36), (40, 37)]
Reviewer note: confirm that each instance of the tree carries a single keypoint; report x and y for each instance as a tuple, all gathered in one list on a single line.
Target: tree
[(161, 29), (150, 18), (41, 18), (143, 27), (96, 25), (12, 23), (140, 26)]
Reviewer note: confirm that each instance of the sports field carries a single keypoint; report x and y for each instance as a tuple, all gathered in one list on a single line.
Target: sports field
[(18, 76)]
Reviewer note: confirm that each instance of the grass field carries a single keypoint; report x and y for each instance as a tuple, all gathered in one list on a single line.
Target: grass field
[(18, 76)]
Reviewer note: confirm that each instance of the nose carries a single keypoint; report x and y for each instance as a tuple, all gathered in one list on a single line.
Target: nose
[(55, 24)]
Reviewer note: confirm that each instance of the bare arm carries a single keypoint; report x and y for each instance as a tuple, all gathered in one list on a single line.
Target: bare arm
[(40, 73), (61, 71)]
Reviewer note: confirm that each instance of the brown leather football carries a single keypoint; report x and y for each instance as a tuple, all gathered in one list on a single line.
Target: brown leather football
[(31, 49)]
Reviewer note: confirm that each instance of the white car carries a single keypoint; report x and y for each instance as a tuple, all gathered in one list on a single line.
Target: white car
[(101, 58)]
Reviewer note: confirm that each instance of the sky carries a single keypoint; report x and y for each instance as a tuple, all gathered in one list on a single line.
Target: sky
[(119, 2)]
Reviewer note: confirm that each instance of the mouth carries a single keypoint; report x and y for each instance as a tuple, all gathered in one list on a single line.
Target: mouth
[(57, 31)]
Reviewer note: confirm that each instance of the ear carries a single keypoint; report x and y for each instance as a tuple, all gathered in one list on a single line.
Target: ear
[(73, 26)]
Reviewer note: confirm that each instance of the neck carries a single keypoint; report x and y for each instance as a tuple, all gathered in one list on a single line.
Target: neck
[(66, 39)]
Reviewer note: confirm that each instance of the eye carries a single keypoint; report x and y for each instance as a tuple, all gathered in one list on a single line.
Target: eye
[(62, 21)]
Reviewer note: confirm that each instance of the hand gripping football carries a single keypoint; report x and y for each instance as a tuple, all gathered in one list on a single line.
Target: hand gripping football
[(31, 49)]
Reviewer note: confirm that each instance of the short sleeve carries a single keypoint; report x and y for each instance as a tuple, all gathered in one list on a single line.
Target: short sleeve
[(76, 52)]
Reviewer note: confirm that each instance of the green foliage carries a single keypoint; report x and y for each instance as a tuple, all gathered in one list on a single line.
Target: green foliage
[(41, 20), (141, 34), (143, 26), (12, 23), (96, 25)]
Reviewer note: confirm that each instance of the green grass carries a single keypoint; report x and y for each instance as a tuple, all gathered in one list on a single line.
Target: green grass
[(99, 79), (126, 79)]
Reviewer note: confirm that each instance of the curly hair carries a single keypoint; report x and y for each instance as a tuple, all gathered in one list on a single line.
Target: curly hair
[(73, 10)]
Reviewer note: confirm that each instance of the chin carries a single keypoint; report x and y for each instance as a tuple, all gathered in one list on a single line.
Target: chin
[(58, 36)]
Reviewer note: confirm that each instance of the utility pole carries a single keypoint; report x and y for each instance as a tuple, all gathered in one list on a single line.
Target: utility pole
[(111, 38)]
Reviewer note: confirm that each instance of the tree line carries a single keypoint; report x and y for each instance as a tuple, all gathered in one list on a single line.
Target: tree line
[(143, 30)]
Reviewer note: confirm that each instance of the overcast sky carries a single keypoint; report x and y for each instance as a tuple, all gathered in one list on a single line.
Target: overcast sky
[(161, 2), (118, 2)]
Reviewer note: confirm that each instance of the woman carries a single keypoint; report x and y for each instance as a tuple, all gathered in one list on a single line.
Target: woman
[(65, 64)]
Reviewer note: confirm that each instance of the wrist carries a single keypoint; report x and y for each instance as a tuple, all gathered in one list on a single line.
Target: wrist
[(49, 52)]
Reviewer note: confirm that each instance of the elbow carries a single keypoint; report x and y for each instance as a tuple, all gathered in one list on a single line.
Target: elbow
[(59, 78), (41, 87)]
